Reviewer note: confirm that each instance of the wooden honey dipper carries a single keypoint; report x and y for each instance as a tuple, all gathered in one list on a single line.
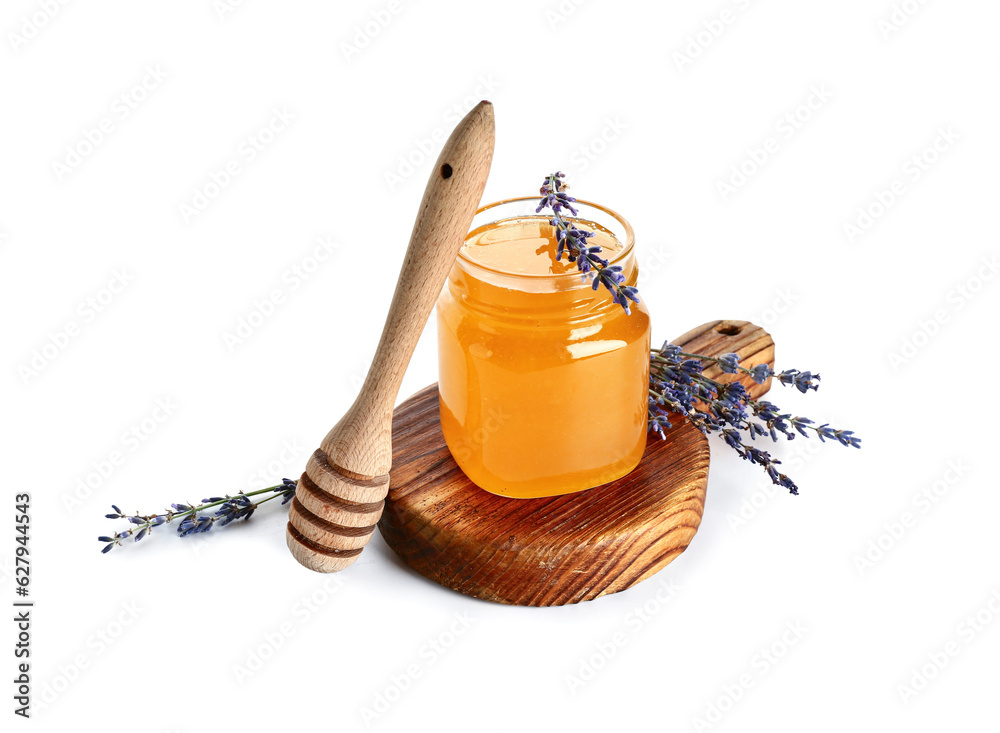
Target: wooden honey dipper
[(340, 497)]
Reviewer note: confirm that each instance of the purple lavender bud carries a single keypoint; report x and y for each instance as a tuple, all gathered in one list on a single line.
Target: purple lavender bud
[(760, 373), (728, 363), (800, 423)]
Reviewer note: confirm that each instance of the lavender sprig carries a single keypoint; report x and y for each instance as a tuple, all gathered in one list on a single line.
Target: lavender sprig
[(730, 364), (677, 385), (573, 242), (193, 521)]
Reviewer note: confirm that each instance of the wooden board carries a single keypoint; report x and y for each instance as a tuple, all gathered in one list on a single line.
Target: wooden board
[(557, 550)]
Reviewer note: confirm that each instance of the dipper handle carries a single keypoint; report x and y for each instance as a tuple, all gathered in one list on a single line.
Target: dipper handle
[(341, 494)]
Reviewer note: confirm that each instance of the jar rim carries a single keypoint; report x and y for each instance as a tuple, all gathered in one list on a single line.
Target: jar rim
[(618, 257)]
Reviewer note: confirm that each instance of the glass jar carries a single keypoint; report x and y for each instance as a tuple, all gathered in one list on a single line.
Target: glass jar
[(543, 380)]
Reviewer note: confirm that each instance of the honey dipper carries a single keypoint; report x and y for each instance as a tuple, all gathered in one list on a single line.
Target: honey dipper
[(340, 497)]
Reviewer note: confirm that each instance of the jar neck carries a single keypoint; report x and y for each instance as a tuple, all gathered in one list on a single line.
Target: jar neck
[(526, 296), (538, 297)]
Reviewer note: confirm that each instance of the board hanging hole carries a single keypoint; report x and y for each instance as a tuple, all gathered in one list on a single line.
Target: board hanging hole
[(729, 330), (446, 171)]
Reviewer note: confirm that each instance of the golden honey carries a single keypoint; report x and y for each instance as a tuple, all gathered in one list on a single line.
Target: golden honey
[(543, 380)]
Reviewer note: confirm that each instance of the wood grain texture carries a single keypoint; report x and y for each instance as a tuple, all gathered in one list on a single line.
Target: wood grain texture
[(752, 343), (345, 482), (360, 442), (558, 550)]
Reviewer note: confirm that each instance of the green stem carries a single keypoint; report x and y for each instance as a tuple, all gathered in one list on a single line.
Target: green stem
[(581, 252), (170, 515), (713, 359)]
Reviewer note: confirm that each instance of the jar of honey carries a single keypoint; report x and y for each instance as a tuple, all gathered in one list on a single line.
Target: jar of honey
[(543, 380)]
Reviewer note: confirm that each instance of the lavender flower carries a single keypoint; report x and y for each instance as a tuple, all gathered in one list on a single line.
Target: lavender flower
[(677, 385), (193, 520), (573, 242)]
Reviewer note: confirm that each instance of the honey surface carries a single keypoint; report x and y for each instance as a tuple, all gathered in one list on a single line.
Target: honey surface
[(525, 246)]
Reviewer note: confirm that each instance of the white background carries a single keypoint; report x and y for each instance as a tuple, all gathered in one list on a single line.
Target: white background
[(899, 318)]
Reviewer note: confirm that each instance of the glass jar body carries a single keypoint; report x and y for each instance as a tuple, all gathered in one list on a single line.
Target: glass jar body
[(543, 381)]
